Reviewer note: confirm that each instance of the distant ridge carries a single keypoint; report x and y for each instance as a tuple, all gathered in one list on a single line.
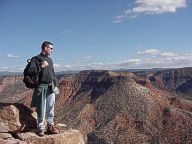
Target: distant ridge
[(139, 70), (7, 73), (67, 72)]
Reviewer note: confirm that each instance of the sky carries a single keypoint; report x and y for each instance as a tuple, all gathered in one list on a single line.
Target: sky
[(97, 34)]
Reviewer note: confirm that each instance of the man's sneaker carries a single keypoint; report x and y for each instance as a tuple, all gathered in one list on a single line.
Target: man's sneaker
[(52, 130), (41, 132)]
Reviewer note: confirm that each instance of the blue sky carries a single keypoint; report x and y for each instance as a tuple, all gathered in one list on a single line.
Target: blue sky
[(97, 34)]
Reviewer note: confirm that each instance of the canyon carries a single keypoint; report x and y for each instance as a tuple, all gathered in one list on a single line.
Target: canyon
[(116, 107)]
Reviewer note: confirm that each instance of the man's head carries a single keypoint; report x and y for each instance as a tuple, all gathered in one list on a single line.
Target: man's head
[(47, 47)]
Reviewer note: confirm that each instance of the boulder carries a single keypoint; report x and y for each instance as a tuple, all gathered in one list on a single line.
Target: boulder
[(9, 118), (16, 116)]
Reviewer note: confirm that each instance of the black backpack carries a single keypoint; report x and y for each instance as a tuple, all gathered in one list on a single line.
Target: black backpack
[(31, 79)]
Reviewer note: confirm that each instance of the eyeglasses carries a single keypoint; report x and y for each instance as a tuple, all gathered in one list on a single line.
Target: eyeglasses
[(50, 48)]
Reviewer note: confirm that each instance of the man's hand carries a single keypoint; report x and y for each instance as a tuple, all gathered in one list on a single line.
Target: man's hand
[(56, 91), (44, 64)]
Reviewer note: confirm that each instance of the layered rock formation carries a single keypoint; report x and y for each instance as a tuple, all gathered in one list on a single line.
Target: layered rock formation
[(170, 79)]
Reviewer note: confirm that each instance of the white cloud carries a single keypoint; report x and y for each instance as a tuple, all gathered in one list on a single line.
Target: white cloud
[(154, 52), (56, 65), (67, 66), (13, 56), (157, 6), (21, 69), (154, 58), (12, 68), (119, 18), (150, 58), (151, 7), (149, 52), (168, 54), (3, 68), (61, 67)]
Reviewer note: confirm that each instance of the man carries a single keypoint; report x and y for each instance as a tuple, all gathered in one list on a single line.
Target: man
[(44, 96)]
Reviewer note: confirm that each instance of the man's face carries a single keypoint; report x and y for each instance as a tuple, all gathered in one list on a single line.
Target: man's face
[(48, 49)]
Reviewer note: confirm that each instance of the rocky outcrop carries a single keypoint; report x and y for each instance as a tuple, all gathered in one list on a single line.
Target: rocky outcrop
[(15, 115), (9, 119), (18, 125)]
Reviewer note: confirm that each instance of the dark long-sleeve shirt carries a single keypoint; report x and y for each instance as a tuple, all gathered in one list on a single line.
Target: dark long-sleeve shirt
[(47, 74)]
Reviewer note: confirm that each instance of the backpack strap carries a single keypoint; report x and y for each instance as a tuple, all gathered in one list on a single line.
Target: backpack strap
[(38, 58)]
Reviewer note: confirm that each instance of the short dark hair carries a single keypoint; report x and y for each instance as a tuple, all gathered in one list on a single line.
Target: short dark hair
[(45, 43)]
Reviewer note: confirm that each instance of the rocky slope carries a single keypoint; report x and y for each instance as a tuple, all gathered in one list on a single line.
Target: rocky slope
[(112, 107), (120, 107), (12, 89)]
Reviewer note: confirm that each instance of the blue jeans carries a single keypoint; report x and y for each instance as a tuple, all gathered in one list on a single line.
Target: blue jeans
[(47, 113)]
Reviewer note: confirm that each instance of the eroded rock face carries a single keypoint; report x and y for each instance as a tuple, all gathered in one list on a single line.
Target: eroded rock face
[(179, 80), (9, 119)]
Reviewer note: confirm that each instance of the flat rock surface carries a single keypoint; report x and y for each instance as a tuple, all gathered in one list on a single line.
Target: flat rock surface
[(66, 137)]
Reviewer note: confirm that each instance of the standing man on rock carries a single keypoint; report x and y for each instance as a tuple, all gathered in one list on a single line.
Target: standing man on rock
[(44, 93)]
